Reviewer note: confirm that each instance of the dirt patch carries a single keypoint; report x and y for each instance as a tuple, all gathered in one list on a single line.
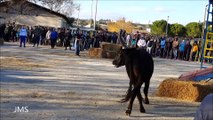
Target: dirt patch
[(37, 95), (19, 63), (22, 93), (83, 54), (70, 93)]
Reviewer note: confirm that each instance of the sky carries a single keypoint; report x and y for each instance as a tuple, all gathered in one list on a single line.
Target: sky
[(144, 11)]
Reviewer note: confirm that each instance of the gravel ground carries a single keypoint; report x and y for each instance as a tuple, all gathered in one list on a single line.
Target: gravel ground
[(54, 84)]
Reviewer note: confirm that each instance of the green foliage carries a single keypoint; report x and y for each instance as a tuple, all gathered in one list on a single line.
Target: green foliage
[(194, 29), (159, 27), (177, 30)]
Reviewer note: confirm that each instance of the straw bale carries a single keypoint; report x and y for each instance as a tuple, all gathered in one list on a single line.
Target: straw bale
[(107, 50), (110, 47), (95, 52), (184, 89), (111, 54)]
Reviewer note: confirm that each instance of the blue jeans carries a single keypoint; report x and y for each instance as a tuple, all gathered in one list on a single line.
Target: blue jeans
[(23, 40)]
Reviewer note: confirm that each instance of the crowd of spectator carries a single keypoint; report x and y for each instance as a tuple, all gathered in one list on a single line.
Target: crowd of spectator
[(181, 48)]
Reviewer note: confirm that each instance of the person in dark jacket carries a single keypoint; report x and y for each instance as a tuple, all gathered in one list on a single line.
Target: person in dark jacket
[(187, 51), (36, 36), (77, 42), (68, 37)]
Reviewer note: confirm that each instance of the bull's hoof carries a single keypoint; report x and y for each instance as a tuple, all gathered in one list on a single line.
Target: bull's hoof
[(123, 100), (128, 112), (142, 110)]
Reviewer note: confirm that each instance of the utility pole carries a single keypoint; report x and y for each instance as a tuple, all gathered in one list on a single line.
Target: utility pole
[(167, 26), (96, 7), (91, 15), (78, 14)]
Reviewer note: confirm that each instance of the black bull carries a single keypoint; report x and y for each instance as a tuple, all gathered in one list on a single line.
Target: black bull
[(139, 66)]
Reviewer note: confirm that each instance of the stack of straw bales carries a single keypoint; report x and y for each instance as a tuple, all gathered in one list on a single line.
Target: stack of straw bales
[(185, 89), (107, 50), (95, 52)]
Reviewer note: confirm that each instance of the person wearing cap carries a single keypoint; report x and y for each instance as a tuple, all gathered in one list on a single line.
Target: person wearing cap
[(23, 36)]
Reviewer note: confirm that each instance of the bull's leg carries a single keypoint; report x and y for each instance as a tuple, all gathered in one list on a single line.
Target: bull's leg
[(134, 92), (128, 93), (132, 78), (145, 90), (129, 89), (128, 111), (142, 110)]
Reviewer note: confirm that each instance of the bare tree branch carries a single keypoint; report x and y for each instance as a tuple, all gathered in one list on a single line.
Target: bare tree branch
[(66, 7)]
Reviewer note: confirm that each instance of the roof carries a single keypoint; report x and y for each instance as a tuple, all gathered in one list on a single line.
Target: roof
[(41, 7)]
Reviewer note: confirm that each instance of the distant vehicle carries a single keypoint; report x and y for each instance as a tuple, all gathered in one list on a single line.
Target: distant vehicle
[(74, 29)]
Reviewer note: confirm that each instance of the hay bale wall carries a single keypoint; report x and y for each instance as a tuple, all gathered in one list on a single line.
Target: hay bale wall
[(107, 50), (95, 52), (184, 90), (110, 47), (110, 50)]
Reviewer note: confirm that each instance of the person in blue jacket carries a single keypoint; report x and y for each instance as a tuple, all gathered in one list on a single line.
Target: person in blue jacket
[(23, 36), (53, 38), (182, 49)]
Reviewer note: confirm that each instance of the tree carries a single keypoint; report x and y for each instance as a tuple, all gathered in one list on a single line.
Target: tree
[(120, 24), (159, 27), (11, 3), (66, 7), (194, 29), (177, 30)]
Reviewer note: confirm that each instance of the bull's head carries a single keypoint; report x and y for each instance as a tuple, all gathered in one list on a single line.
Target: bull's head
[(122, 57), (119, 60)]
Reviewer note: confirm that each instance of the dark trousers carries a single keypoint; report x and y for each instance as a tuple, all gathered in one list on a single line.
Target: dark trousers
[(53, 41), (193, 56), (181, 55), (36, 41), (23, 40), (162, 52), (77, 49), (67, 44)]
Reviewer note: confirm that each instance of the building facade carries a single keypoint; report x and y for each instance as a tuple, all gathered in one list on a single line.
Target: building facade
[(30, 14)]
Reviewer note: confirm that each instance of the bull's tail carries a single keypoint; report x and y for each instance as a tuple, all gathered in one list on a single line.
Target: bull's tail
[(131, 92), (127, 96)]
